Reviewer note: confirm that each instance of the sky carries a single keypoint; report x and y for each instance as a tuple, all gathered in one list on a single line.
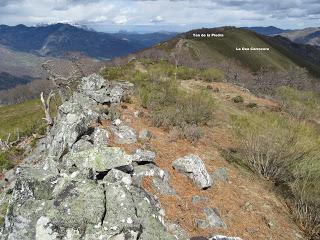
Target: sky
[(162, 15)]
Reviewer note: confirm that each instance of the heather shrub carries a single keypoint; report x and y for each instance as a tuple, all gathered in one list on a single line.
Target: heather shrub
[(286, 151), (301, 104), (211, 75)]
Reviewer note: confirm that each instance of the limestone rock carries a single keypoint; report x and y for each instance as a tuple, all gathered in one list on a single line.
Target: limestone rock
[(81, 145), (144, 134), (160, 178), (115, 176), (193, 167), (124, 134), (99, 159), (220, 174), (100, 137), (77, 204), (213, 219), (143, 156)]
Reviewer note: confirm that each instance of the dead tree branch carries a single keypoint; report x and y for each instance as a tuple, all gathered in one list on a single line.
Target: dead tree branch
[(46, 107)]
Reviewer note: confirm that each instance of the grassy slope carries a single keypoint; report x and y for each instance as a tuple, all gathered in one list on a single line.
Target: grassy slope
[(221, 48), (218, 49), (21, 116)]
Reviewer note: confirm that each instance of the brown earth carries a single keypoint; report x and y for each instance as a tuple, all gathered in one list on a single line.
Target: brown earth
[(249, 206)]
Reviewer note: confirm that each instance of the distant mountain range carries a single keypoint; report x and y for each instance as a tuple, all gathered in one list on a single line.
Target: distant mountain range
[(23, 49), (57, 39), (309, 36), (269, 31)]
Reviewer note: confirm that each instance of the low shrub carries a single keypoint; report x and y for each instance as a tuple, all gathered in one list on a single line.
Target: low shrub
[(252, 105), (211, 75), (9, 157), (192, 133), (169, 106), (301, 104), (238, 99), (284, 150), (185, 73)]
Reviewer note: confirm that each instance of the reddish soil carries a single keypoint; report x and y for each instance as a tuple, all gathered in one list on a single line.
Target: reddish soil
[(244, 188)]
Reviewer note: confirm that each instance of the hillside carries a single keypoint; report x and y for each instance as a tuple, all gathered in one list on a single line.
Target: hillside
[(165, 157), (309, 36), (306, 36), (238, 54), (58, 39), (268, 31)]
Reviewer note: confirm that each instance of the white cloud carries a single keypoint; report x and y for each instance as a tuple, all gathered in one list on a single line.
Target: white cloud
[(157, 19), (168, 13), (121, 19)]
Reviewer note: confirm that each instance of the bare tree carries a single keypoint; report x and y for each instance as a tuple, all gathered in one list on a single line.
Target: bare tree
[(64, 84), (46, 107), (7, 144)]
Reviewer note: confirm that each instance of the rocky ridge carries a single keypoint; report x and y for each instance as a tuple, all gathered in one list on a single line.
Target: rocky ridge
[(75, 186)]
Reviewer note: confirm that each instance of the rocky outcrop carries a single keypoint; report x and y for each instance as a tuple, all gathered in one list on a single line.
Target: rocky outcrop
[(193, 167), (80, 188)]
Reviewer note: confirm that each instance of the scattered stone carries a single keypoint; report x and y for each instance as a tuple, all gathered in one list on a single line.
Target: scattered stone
[(193, 167), (124, 134), (271, 224), (143, 156), (55, 199), (213, 219), (99, 90), (145, 134), (221, 237), (117, 122), (179, 233), (160, 178), (220, 174), (248, 207), (202, 223), (197, 199), (138, 114), (100, 137), (115, 176), (10, 175), (2, 184), (161, 184)]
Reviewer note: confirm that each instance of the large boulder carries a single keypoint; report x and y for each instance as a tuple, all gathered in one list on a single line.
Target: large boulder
[(101, 91), (193, 167), (116, 176), (76, 204), (100, 137), (32, 189), (160, 178), (98, 159), (144, 156)]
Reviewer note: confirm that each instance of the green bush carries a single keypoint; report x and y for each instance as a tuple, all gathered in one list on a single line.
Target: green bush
[(170, 106), (286, 151), (211, 75), (9, 157), (301, 104), (185, 73), (252, 105), (238, 99)]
